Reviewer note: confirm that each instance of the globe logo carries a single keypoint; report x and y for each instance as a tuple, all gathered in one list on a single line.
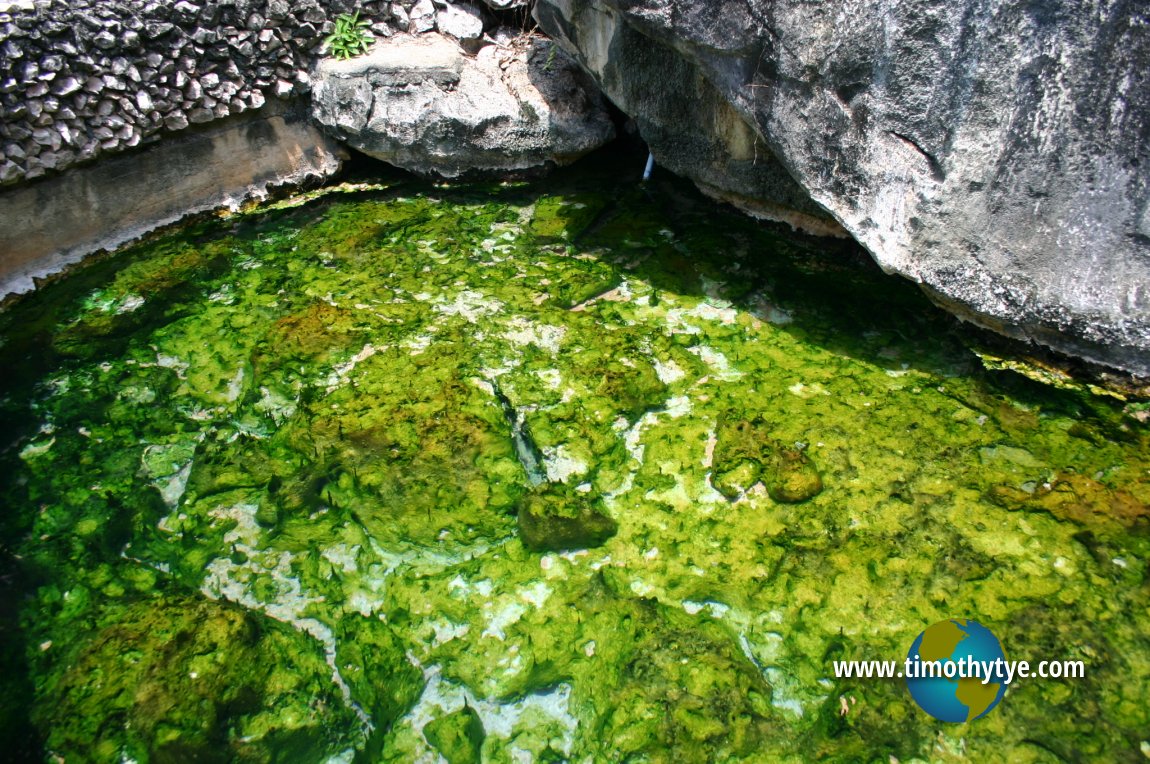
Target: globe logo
[(956, 670)]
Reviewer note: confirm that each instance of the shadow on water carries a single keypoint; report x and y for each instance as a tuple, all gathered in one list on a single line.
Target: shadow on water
[(822, 291), (665, 232), (21, 741)]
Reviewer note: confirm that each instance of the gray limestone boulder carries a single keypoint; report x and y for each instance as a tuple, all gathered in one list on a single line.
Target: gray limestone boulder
[(421, 17), (995, 151), (422, 104), (463, 22)]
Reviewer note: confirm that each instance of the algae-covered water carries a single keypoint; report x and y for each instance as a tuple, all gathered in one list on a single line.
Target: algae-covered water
[(576, 471)]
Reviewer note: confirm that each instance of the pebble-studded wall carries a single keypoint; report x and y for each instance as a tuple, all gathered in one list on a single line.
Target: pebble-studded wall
[(84, 78)]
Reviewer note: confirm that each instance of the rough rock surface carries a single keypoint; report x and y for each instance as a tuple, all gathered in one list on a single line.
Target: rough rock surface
[(421, 104), (462, 22), (82, 79), (148, 92), (995, 152)]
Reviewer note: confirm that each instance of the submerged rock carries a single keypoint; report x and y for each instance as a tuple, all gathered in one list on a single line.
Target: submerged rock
[(1080, 500), (745, 453), (555, 518), (140, 293), (422, 104), (737, 480), (557, 218), (994, 155), (686, 692), (379, 676), (312, 332), (457, 736), (173, 679), (792, 477)]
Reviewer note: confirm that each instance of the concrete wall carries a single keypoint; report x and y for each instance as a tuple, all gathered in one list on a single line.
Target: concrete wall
[(56, 221)]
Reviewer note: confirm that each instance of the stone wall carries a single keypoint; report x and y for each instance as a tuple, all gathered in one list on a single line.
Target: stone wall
[(85, 78)]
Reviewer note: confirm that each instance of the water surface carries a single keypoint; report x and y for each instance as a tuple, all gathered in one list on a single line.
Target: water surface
[(262, 479)]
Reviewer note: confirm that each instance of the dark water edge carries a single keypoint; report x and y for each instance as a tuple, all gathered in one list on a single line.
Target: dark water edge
[(261, 449)]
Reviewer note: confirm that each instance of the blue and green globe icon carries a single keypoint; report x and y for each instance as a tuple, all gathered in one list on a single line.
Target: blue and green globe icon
[(955, 670)]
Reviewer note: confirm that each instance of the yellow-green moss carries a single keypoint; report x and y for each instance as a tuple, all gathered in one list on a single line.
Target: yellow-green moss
[(309, 432)]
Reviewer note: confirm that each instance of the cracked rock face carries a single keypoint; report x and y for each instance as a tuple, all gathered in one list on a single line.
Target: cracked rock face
[(994, 152), (422, 104)]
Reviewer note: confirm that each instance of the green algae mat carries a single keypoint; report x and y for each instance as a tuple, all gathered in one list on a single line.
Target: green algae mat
[(575, 471)]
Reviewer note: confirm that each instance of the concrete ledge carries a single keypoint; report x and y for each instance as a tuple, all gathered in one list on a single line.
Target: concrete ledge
[(53, 223)]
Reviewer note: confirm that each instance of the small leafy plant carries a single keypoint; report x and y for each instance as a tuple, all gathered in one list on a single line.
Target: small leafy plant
[(350, 36)]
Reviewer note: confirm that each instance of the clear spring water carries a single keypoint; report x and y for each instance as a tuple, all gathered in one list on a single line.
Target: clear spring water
[(261, 483)]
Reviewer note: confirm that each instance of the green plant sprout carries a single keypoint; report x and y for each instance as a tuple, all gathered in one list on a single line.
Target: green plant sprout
[(350, 37)]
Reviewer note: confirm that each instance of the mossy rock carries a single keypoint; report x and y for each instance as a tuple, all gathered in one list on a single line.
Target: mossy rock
[(559, 217), (686, 692), (171, 266), (792, 477), (422, 476), (737, 480), (312, 332), (353, 231), (224, 465), (298, 493), (457, 736), (86, 337), (738, 440), (582, 281), (634, 389), (178, 679), (419, 453), (745, 451), (142, 294), (372, 661), (556, 517), (620, 378), (1081, 500)]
